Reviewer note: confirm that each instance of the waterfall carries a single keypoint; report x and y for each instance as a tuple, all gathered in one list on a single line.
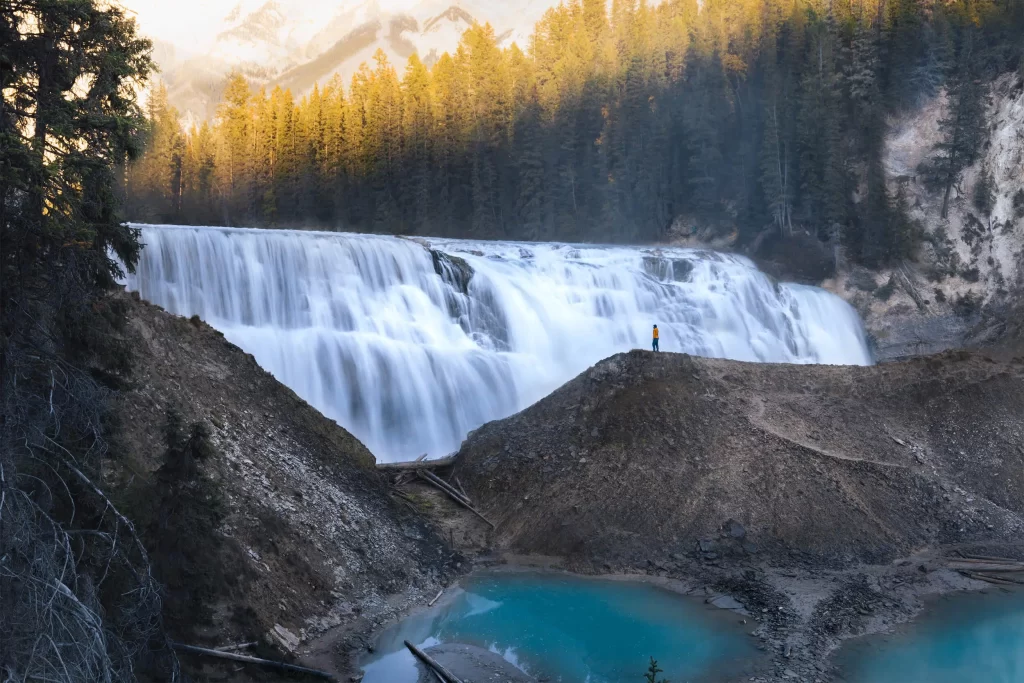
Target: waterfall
[(410, 344)]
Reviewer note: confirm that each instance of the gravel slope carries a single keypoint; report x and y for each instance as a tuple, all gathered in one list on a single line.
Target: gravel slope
[(644, 456)]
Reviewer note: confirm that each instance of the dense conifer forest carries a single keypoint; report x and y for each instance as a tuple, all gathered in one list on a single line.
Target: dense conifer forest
[(616, 123)]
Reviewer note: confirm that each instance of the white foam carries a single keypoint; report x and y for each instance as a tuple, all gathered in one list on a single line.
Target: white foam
[(363, 328)]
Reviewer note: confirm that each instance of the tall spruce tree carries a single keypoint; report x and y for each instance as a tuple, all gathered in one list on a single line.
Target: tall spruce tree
[(963, 125), (155, 183), (79, 607)]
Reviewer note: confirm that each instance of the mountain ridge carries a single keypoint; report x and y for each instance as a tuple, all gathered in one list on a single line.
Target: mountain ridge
[(296, 47)]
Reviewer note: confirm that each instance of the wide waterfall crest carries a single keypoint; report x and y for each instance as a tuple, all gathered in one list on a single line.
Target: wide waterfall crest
[(410, 344)]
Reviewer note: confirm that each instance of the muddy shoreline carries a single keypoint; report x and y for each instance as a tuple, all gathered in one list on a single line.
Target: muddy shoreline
[(799, 617)]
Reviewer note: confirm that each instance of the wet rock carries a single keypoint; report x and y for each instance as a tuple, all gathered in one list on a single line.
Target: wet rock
[(735, 529), (453, 270), (471, 663), (726, 602), (285, 638)]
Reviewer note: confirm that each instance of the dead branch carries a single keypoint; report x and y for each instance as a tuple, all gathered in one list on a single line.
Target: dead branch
[(417, 464), (432, 664), (453, 494), (282, 666)]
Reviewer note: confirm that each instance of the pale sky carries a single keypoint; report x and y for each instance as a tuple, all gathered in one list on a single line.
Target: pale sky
[(192, 24), (180, 21)]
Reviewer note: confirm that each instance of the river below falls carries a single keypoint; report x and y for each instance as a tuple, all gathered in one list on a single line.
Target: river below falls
[(559, 627)]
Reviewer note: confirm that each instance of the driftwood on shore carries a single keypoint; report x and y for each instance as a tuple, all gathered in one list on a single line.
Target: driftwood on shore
[(423, 469), (416, 465), (441, 484), (282, 666), (996, 570), (998, 580), (432, 664), (986, 558)]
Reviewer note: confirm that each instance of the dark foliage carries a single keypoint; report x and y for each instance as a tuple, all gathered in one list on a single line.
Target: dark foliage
[(744, 116), (1018, 204), (77, 599), (181, 530)]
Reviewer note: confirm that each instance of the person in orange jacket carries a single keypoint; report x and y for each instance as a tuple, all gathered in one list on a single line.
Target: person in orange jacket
[(655, 337)]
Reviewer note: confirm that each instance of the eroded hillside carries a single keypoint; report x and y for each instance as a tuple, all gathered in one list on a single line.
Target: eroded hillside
[(309, 537), (649, 456)]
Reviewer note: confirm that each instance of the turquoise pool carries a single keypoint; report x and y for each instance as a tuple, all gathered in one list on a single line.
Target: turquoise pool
[(571, 629)]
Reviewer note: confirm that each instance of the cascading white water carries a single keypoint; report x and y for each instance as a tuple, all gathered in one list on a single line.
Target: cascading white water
[(410, 344)]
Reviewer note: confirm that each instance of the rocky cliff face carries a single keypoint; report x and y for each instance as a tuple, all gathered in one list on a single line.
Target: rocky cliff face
[(966, 261), (647, 456)]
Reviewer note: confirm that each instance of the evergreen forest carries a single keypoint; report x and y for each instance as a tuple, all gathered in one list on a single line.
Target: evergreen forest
[(617, 123)]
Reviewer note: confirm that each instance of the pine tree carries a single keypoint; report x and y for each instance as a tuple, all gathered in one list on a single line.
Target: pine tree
[(154, 182), (489, 84), (703, 113), (825, 182), (77, 600), (417, 132), (382, 141), (776, 156), (286, 155), (356, 165), (984, 198), (233, 162), (197, 177), (265, 157), (531, 208), (332, 177), (962, 127)]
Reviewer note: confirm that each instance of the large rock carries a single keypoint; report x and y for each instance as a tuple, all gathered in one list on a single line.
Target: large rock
[(470, 663), (453, 269), (646, 454)]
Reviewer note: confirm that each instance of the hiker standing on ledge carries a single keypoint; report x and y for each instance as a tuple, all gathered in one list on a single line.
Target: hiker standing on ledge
[(655, 338)]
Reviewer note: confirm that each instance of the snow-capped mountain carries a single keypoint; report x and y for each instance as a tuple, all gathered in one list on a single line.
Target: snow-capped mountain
[(297, 43)]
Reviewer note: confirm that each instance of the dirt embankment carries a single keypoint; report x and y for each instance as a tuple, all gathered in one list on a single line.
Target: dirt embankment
[(654, 457), (309, 536)]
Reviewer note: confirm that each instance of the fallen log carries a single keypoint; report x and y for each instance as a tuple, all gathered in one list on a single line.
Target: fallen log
[(416, 465), (282, 666), (1002, 577), (453, 494), (463, 490), (986, 566), (432, 664), (987, 558), (235, 648), (988, 579), (442, 484), (436, 598)]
